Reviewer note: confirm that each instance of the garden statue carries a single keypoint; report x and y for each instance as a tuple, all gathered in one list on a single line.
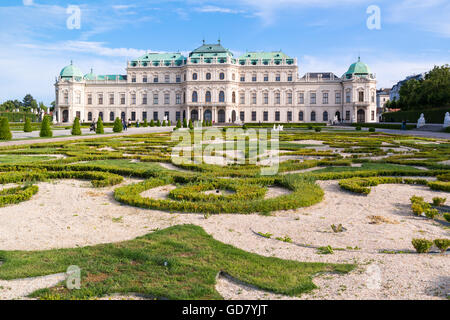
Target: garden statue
[(447, 120), (421, 121)]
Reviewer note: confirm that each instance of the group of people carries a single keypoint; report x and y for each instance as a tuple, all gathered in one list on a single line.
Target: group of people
[(127, 124)]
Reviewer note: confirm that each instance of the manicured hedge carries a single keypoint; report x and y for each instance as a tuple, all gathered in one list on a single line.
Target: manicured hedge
[(17, 195), (384, 125), (431, 115), (19, 116)]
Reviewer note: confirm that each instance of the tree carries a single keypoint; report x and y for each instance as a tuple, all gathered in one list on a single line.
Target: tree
[(164, 123), (76, 129), (179, 124), (191, 126), (33, 106), (27, 100), (152, 123), (46, 130), (5, 132), (145, 125), (158, 123), (27, 126), (100, 129), (185, 123), (42, 107), (117, 125)]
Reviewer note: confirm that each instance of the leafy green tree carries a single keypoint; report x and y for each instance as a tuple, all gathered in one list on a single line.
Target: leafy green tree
[(164, 123), (76, 129), (117, 125), (27, 126), (5, 132), (152, 123), (179, 124), (27, 101), (185, 125), (46, 130), (145, 125), (99, 129), (158, 123)]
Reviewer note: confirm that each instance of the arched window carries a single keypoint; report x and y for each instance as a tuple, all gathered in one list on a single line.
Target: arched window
[(233, 97), (194, 76), (89, 116), (222, 76), (208, 76), (300, 116), (221, 96), (194, 96), (111, 116), (208, 96), (313, 116), (325, 116)]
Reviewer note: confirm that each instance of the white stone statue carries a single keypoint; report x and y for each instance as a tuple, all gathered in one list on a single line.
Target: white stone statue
[(274, 127), (336, 120), (447, 120), (280, 128), (421, 121)]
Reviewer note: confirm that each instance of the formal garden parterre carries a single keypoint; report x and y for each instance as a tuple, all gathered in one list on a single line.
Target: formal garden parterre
[(173, 263)]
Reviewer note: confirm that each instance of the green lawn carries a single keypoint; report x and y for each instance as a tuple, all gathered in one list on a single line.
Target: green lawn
[(125, 163), (19, 159), (179, 262)]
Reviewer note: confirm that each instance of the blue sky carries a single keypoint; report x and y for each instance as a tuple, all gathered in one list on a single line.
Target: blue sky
[(325, 35)]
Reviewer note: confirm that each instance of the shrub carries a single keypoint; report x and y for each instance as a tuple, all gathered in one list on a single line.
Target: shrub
[(439, 185), (358, 128), (442, 244), (27, 127), (310, 127), (317, 129), (5, 132), (191, 125), (99, 129), (371, 129), (76, 129), (439, 201), (46, 130), (325, 250), (169, 123), (117, 125), (447, 216), (164, 123), (422, 245), (179, 124), (431, 213), (158, 123), (185, 125), (152, 123), (145, 124)]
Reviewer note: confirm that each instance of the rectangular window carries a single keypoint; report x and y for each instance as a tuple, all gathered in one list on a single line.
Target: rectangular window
[(347, 115), (100, 98), (166, 98), (178, 78), (289, 116), (372, 115), (155, 98), (242, 78), (133, 79), (178, 98), (347, 97), (111, 98), (242, 116), (144, 98), (277, 115), (266, 116), (254, 78), (301, 98), (313, 98), (177, 115), (278, 77), (266, 77), (167, 78), (155, 79), (290, 77), (133, 98), (133, 116), (338, 97), (242, 98), (253, 115), (277, 98), (289, 98), (144, 79), (155, 115), (66, 98), (253, 98), (122, 98), (89, 99), (144, 115), (266, 98), (361, 96), (166, 115), (325, 98)]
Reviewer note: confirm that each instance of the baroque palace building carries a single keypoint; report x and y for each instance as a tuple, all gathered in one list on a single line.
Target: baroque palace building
[(211, 84)]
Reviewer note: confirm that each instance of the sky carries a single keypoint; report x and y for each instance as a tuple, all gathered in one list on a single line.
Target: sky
[(39, 37)]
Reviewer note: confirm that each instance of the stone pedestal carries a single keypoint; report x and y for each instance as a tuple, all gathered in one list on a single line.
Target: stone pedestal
[(421, 121)]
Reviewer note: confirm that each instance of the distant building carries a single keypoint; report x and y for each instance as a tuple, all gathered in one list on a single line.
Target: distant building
[(383, 96), (395, 91)]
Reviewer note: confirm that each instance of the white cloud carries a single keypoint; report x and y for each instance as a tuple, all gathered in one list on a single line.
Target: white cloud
[(214, 9)]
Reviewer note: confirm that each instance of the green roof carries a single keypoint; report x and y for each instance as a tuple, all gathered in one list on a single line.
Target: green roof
[(211, 51), (264, 55), (71, 71), (90, 76), (156, 58), (357, 68), (112, 77)]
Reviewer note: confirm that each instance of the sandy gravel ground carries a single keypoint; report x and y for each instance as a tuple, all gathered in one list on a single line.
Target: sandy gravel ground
[(87, 216)]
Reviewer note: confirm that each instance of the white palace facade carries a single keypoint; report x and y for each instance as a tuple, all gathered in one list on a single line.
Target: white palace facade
[(212, 84)]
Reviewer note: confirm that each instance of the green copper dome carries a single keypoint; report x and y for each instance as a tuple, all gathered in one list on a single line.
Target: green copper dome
[(71, 71), (90, 76), (358, 68)]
